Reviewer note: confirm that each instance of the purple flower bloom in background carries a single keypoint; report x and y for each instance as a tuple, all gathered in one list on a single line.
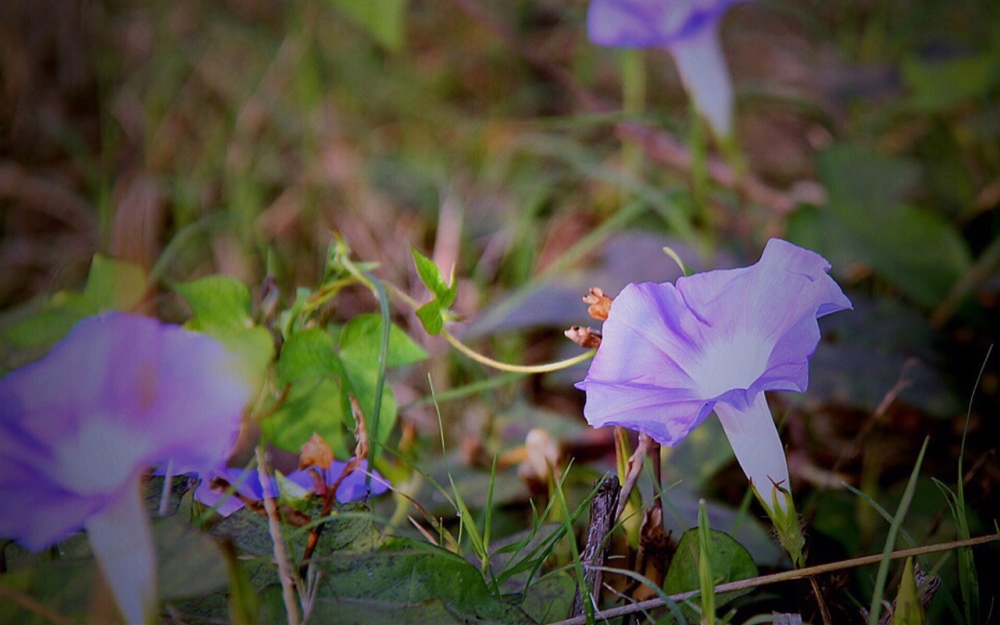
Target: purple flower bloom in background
[(352, 488), (118, 394), (670, 355), (247, 483), (690, 30)]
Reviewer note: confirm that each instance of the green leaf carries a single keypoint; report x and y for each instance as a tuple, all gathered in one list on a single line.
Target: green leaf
[(308, 355), (407, 575), (363, 382), (376, 612), (918, 251), (431, 318), (111, 285), (65, 587), (254, 348), (219, 304), (49, 324), (190, 562), (865, 221), (855, 176), (431, 276), (114, 284), (310, 406), (730, 562), (942, 84), (550, 598), (242, 601), (361, 339), (383, 19)]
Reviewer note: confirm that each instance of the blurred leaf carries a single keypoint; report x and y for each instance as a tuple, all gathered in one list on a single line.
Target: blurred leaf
[(308, 355), (473, 483), (114, 284), (556, 301), (920, 252), (111, 285), (190, 562), (729, 562), (243, 604), (407, 574), (836, 518), (361, 339), (66, 587), (887, 340), (941, 84), (219, 304), (383, 19), (860, 177), (50, 323), (254, 348)]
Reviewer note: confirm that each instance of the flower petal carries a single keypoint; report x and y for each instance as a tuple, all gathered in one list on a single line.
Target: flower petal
[(705, 75), (765, 313), (669, 354), (118, 394), (754, 439), (646, 23), (352, 488), (121, 540), (222, 502), (355, 486), (660, 413)]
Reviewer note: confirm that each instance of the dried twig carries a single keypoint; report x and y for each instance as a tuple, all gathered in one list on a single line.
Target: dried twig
[(603, 504), (285, 571), (784, 576)]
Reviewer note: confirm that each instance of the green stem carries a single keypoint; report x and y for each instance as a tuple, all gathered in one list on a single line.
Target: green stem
[(502, 366)]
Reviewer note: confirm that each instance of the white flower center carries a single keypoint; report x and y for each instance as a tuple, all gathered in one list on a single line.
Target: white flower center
[(731, 364), (99, 459)]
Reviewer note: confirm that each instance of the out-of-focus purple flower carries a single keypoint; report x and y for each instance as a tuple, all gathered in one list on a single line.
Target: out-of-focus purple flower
[(670, 355), (247, 484), (118, 394), (689, 29)]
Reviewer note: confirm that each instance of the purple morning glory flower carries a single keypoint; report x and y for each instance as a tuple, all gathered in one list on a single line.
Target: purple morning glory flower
[(352, 488), (118, 394), (247, 484), (689, 29), (717, 340)]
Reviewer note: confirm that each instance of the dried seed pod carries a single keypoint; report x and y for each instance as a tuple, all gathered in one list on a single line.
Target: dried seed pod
[(600, 304)]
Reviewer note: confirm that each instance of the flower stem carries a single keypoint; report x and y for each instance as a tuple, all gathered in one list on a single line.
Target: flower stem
[(285, 574), (502, 366)]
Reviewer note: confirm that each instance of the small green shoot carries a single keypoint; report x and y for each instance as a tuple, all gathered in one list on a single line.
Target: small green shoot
[(434, 313), (908, 610), (890, 541), (706, 581)]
